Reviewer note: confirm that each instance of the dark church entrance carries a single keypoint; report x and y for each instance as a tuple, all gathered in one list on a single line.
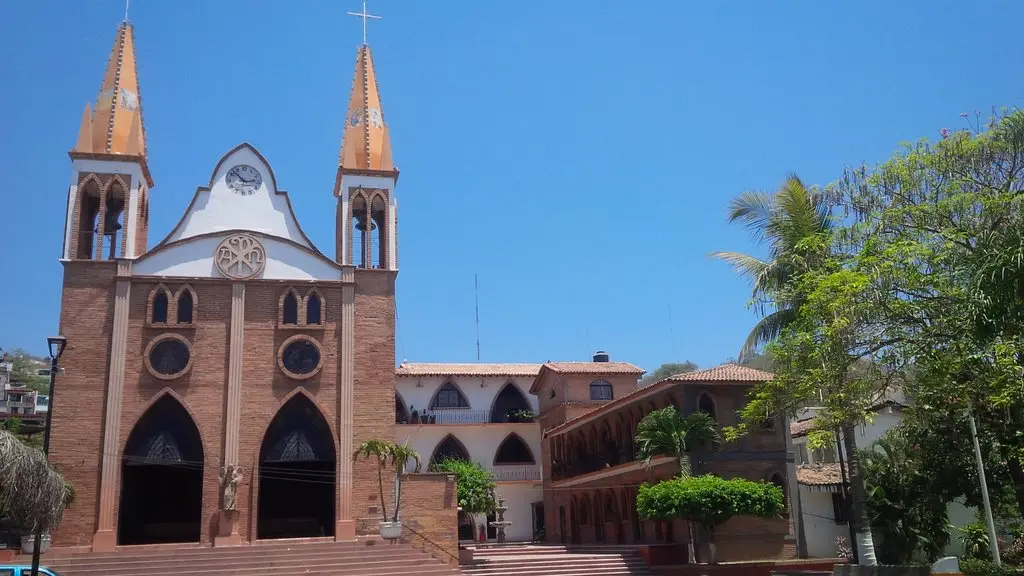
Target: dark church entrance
[(161, 478), (297, 474)]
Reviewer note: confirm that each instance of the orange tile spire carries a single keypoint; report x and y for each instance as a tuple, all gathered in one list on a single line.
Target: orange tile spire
[(365, 144), (116, 126)]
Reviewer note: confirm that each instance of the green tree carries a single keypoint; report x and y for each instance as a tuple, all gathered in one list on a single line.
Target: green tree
[(25, 370), (709, 501), (782, 221), (667, 432), (666, 370), (475, 488), (388, 454)]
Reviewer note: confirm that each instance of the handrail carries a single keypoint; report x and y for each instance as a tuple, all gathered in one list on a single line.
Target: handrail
[(435, 544)]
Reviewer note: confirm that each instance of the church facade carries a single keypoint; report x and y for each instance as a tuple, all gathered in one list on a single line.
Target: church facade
[(217, 383)]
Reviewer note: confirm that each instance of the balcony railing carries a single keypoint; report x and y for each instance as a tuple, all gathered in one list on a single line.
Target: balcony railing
[(588, 463), (448, 416), (516, 472)]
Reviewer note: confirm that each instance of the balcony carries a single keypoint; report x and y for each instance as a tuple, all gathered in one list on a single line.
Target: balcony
[(516, 473), (447, 416)]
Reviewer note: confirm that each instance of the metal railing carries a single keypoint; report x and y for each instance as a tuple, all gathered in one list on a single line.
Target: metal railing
[(432, 543), (515, 472)]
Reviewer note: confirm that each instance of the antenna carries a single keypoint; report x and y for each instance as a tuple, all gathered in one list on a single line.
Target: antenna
[(476, 295)]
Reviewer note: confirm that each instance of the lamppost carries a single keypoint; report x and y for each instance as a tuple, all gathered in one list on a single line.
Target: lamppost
[(56, 345)]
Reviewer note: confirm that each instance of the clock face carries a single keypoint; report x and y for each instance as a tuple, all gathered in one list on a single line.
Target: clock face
[(243, 180)]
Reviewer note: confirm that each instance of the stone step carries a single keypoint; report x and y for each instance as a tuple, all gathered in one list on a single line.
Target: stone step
[(293, 567), (192, 550), (234, 555), (129, 567), (553, 562)]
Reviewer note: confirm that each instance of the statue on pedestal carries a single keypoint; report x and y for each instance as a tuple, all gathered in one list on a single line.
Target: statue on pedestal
[(230, 476)]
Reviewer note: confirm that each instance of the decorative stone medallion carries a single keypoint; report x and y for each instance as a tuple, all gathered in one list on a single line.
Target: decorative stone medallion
[(241, 256)]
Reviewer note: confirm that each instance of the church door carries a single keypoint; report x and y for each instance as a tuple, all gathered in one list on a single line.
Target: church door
[(161, 478), (297, 474)]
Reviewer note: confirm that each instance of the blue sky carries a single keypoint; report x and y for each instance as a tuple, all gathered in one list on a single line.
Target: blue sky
[(577, 155)]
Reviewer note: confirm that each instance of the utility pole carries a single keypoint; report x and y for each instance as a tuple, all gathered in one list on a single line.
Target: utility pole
[(993, 543)]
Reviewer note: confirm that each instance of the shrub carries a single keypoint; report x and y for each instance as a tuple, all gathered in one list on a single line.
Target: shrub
[(977, 567), (475, 490)]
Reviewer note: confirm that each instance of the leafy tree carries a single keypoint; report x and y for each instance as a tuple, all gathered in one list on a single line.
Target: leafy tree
[(475, 489), (666, 370), (388, 454), (24, 370), (782, 221), (667, 432), (709, 501)]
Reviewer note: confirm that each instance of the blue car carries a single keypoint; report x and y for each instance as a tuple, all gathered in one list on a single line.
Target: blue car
[(10, 570)]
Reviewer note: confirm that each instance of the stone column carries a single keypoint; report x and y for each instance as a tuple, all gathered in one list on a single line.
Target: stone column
[(105, 538), (227, 520), (346, 526)]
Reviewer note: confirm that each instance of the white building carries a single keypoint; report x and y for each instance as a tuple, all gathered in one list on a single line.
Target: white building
[(823, 512), (17, 400), (483, 413)]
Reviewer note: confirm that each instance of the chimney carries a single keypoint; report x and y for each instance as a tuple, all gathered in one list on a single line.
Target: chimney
[(601, 356)]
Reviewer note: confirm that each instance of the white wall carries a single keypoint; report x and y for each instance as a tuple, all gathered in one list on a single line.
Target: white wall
[(480, 440), (195, 259), (418, 391), (820, 528)]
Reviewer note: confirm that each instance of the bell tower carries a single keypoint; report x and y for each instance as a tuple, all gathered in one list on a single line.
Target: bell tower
[(367, 221), (107, 209)]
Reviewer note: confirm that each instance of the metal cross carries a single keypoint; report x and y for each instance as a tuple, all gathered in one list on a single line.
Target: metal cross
[(127, 3), (364, 15)]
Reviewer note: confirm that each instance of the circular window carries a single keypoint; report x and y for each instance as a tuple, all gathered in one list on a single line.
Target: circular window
[(168, 356), (300, 357)]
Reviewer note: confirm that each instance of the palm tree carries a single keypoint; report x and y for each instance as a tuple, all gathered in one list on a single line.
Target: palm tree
[(782, 221), (388, 454), (666, 432), (32, 493), (401, 455)]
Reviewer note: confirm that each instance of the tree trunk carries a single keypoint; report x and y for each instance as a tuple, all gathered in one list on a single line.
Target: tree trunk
[(859, 517), (380, 485), (711, 544), (398, 492)]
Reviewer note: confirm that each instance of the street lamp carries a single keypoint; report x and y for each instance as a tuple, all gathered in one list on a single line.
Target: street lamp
[(56, 345)]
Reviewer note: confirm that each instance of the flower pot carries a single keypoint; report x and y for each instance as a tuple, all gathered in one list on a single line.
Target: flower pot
[(391, 530), (28, 543)]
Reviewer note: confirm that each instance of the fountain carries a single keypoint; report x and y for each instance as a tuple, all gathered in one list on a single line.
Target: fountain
[(501, 523)]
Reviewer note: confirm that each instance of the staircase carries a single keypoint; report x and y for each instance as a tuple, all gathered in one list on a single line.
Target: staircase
[(280, 558), (541, 560)]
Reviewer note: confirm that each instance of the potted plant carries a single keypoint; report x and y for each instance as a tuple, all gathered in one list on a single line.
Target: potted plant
[(415, 416), (389, 454)]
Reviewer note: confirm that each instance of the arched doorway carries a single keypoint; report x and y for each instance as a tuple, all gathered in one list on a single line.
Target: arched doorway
[(297, 474), (162, 478)]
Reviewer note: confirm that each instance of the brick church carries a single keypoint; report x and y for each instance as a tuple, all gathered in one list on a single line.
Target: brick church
[(217, 382), (231, 347)]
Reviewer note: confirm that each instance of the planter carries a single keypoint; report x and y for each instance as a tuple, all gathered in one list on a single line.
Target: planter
[(391, 530), (28, 543), (857, 570)]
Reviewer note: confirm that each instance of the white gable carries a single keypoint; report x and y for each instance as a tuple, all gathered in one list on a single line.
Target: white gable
[(220, 208), (195, 259)]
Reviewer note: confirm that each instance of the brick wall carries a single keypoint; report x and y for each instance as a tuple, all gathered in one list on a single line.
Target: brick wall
[(87, 308), (430, 507)]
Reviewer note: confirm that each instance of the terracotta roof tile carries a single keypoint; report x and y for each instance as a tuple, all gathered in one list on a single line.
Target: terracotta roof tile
[(465, 369), (594, 368), (724, 373), (801, 428), (819, 474)]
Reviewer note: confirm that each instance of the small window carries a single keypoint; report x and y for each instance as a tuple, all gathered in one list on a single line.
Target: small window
[(290, 309), (300, 357), (552, 393), (776, 479), (160, 308), (600, 390), (185, 307), (840, 508), (706, 405), (449, 396), (313, 309)]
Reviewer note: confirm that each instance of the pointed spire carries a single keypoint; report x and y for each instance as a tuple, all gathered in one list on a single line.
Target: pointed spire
[(119, 106), (84, 143), (365, 143)]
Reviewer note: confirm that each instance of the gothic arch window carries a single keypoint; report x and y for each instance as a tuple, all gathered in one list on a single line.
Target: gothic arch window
[(185, 303), (290, 307), (378, 229), (159, 304), (359, 233), (401, 411), (449, 396), (113, 209), (601, 390), (89, 200), (513, 450), (776, 479), (314, 307), (610, 514), (585, 509), (706, 404), (509, 401), (449, 448)]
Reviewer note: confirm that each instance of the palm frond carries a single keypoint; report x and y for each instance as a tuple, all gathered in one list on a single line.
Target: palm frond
[(755, 210), (749, 267), (32, 493), (766, 330)]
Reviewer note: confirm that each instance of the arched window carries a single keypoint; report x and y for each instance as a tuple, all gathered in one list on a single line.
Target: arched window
[(290, 309), (585, 510), (706, 404), (776, 479), (510, 405), (112, 220), (609, 507), (160, 305), (601, 390), (513, 451), (313, 306), (378, 238), (449, 449), (185, 306), (401, 412), (359, 232), (88, 213), (449, 396)]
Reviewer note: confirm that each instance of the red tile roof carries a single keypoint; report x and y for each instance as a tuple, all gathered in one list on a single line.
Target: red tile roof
[(819, 474), (801, 427), (466, 369), (594, 368), (724, 373)]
